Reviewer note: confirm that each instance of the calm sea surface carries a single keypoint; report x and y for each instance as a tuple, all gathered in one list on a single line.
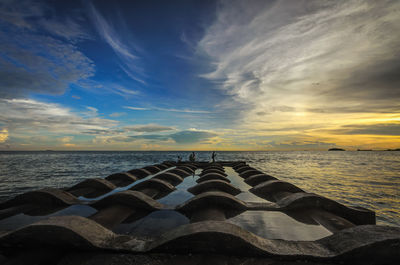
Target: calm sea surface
[(368, 179)]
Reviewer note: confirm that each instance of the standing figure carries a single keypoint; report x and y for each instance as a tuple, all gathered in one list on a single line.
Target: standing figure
[(194, 156), (179, 159), (213, 156)]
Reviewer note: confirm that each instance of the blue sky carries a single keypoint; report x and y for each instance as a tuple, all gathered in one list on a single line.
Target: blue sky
[(202, 75)]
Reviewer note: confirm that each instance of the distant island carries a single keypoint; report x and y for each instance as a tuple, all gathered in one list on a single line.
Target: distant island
[(336, 149), (364, 149), (397, 149)]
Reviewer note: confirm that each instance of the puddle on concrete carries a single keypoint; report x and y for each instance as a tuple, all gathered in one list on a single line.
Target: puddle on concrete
[(278, 225), (180, 195), (153, 225)]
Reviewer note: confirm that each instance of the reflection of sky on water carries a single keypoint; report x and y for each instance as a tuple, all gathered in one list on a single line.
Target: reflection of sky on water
[(180, 195), (277, 225), (238, 182), (154, 224)]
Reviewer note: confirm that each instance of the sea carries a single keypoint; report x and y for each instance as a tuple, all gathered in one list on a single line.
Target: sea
[(370, 179)]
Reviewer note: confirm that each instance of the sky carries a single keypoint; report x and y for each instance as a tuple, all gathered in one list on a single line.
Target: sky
[(199, 75)]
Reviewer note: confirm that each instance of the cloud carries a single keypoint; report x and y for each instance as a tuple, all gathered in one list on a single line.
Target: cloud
[(305, 54), (117, 114), (33, 63), (66, 139), (373, 129), (169, 110), (126, 53), (36, 16), (3, 135), (188, 137), (135, 108), (27, 116), (147, 128)]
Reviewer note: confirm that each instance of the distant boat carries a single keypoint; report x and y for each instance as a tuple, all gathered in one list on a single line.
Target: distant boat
[(336, 149)]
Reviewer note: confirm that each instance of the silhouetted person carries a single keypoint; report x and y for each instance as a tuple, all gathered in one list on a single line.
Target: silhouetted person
[(179, 159), (191, 157), (213, 156)]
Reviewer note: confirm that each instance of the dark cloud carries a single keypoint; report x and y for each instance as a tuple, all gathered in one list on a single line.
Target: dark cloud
[(186, 137), (31, 116), (147, 128), (376, 129), (31, 62), (182, 137)]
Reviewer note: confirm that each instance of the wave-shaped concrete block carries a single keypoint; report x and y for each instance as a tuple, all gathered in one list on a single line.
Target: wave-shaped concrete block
[(122, 179), (129, 198), (95, 186), (244, 168), (61, 231), (207, 171), (230, 204), (48, 197), (152, 169), (163, 187), (358, 244), (214, 185), (189, 170), (139, 172), (249, 173), (302, 200), (256, 179), (170, 177), (180, 172), (267, 189), (213, 176)]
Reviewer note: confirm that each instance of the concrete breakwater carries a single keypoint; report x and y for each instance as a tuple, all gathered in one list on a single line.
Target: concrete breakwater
[(129, 197)]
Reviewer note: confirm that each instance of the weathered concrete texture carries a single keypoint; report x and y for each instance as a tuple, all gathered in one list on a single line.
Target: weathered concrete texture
[(180, 172), (121, 179), (249, 173), (213, 176), (67, 231), (139, 172), (256, 179), (362, 243), (213, 170), (302, 200), (209, 234), (129, 198), (152, 169), (214, 185), (91, 188), (243, 169), (170, 177), (359, 243), (230, 204), (268, 188), (163, 187), (43, 197), (168, 259)]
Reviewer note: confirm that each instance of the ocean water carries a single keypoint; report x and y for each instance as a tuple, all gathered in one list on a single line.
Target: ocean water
[(368, 179)]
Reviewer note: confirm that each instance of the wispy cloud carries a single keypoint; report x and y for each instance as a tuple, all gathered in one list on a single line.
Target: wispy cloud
[(135, 108), (292, 58), (169, 110), (33, 62), (27, 116), (126, 53), (147, 128)]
